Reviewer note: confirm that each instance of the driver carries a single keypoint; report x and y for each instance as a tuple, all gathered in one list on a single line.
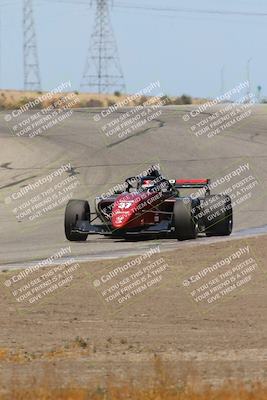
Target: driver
[(160, 185), (147, 184)]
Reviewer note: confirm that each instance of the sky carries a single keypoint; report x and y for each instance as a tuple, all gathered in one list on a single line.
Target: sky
[(185, 51)]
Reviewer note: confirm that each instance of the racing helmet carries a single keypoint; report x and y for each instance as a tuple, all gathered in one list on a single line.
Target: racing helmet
[(147, 183)]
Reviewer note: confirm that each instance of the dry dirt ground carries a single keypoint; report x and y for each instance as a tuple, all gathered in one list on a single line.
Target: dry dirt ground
[(75, 336)]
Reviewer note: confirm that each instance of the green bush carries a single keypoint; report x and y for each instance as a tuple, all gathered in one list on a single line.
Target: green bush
[(186, 99)]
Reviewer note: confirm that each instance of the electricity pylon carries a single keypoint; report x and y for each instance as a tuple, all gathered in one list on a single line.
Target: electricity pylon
[(103, 72), (32, 80)]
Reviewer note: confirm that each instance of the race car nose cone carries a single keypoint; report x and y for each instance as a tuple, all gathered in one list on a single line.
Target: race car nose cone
[(129, 206), (119, 221), (123, 210)]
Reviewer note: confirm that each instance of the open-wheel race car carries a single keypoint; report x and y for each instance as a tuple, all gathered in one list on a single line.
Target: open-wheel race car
[(152, 205)]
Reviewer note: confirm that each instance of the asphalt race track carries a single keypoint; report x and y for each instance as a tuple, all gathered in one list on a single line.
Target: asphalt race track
[(100, 162)]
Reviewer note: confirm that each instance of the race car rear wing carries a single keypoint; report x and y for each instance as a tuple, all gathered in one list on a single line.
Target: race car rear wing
[(191, 183)]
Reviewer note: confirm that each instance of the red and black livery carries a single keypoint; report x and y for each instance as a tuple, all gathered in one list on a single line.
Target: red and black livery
[(154, 206)]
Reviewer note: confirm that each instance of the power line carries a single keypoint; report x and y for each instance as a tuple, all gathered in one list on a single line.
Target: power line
[(190, 10), (153, 8), (70, 2), (10, 3), (170, 9)]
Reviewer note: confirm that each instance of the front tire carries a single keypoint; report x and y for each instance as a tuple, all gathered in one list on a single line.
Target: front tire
[(185, 226), (76, 210)]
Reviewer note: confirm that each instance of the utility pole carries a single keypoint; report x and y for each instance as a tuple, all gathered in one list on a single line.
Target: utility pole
[(248, 76), (259, 88), (32, 80), (103, 72), (222, 80)]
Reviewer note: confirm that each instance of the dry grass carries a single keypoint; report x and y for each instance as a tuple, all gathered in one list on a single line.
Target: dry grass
[(227, 392), (12, 99), (161, 387), (77, 347), (126, 392)]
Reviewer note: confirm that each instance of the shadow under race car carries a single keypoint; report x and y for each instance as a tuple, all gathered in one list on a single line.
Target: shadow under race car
[(152, 206)]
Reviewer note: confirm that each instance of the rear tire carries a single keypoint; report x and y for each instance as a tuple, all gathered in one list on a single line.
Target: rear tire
[(76, 210), (218, 220), (185, 226)]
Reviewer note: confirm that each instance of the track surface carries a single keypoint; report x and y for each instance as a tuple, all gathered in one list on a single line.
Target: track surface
[(100, 164)]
